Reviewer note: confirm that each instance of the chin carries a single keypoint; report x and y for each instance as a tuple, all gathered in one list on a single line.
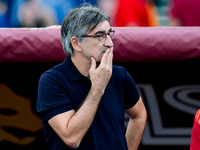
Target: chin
[(98, 59)]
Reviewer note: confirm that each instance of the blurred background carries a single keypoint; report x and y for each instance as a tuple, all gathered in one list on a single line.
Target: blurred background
[(42, 13)]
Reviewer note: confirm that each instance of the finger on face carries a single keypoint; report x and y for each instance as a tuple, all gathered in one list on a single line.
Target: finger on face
[(93, 63), (105, 56), (110, 57)]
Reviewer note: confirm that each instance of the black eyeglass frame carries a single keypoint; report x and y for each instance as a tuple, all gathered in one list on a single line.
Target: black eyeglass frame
[(104, 35)]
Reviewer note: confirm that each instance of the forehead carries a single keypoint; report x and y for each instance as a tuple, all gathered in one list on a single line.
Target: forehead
[(103, 26)]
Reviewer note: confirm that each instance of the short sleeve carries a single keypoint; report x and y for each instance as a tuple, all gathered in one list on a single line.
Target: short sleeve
[(52, 95), (130, 90)]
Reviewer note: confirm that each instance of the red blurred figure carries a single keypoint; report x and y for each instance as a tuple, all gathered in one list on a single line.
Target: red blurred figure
[(195, 138), (130, 12)]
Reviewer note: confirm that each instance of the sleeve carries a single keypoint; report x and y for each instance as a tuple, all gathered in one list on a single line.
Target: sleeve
[(195, 136), (130, 90), (52, 99)]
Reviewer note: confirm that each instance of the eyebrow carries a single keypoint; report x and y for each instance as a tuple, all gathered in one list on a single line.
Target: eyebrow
[(103, 31)]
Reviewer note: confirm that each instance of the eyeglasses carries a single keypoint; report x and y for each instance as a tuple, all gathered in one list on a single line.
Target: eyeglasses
[(101, 35)]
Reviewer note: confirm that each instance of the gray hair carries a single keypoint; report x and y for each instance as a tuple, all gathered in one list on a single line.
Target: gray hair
[(78, 22)]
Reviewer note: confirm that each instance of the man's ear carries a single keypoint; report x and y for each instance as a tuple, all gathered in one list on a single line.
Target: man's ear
[(75, 44)]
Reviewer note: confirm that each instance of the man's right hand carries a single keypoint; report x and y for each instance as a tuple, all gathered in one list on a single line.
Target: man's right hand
[(101, 75)]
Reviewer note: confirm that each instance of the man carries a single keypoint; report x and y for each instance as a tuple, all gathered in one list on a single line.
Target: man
[(82, 100)]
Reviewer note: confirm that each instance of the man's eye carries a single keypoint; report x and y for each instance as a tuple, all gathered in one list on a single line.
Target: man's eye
[(100, 35)]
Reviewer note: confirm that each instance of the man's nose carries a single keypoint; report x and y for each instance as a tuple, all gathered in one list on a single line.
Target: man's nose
[(108, 42)]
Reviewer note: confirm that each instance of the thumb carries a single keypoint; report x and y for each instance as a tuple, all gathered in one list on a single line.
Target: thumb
[(93, 63)]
